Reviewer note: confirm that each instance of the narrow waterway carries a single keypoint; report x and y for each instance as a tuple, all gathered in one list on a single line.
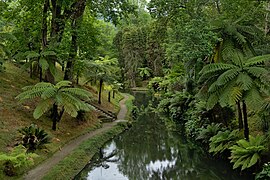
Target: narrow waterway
[(149, 151)]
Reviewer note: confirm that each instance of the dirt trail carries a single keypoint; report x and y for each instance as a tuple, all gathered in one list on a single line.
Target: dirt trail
[(41, 170)]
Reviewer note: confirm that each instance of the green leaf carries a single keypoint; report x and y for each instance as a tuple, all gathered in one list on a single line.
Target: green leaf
[(42, 107), (253, 160), (43, 64)]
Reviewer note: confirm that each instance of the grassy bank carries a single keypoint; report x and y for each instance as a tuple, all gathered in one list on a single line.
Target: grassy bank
[(76, 161), (129, 105), (15, 115)]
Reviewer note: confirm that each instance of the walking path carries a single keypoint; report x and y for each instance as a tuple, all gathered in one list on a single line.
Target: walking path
[(38, 172)]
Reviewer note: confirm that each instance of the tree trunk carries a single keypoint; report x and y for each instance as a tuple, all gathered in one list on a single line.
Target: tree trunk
[(72, 52), (40, 74), (77, 79), (109, 96), (75, 22), (113, 94), (246, 129), (54, 116), (100, 89), (31, 69), (217, 6), (240, 118), (44, 24)]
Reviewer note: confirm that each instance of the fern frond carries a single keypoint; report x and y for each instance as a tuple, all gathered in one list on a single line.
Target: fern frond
[(236, 95), (30, 94), (213, 70), (244, 81), (257, 60), (81, 93), (225, 95), (212, 100), (71, 109), (63, 84), (42, 107), (214, 87), (254, 99), (43, 64), (69, 99), (48, 53), (210, 68), (31, 54), (48, 93), (258, 72), (228, 76)]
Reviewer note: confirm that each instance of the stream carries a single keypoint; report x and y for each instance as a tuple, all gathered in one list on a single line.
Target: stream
[(149, 151)]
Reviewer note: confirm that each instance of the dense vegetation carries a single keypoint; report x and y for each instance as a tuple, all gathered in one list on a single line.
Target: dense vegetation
[(207, 62)]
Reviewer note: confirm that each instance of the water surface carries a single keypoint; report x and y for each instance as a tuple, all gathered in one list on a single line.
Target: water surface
[(149, 151)]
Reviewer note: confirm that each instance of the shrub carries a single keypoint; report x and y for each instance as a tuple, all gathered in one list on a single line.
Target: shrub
[(222, 141), (247, 153), (17, 159), (33, 137), (265, 173), (208, 132)]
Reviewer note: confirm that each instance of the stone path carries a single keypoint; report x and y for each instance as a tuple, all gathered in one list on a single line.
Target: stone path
[(38, 172)]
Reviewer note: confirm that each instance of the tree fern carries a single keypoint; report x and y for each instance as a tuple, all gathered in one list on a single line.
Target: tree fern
[(257, 60), (60, 95), (228, 76), (42, 107), (244, 81)]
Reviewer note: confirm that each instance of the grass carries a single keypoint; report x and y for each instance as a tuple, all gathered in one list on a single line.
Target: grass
[(14, 115), (129, 105), (75, 162)]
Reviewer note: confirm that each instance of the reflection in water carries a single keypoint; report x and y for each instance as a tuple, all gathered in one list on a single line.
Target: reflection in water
[(149, 151)]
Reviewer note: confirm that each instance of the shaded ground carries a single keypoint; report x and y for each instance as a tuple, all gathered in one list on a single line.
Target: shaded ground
[(42, 169)]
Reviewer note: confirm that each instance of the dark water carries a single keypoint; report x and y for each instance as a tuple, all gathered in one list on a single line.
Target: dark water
[(149, 151)]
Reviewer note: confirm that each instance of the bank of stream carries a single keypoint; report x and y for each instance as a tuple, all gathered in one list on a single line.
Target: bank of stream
[(150, 151)]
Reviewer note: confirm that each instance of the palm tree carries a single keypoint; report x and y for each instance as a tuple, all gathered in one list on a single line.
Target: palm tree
[(240, 80), (102, 70), (59, 96)]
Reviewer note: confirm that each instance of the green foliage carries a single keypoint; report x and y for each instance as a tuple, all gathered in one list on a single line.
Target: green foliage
[(222, 141), (208, 132), (265, 173), (145, 72), (247, 153), (61, 94), (32, 137), (18, 158), (235, 81)]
